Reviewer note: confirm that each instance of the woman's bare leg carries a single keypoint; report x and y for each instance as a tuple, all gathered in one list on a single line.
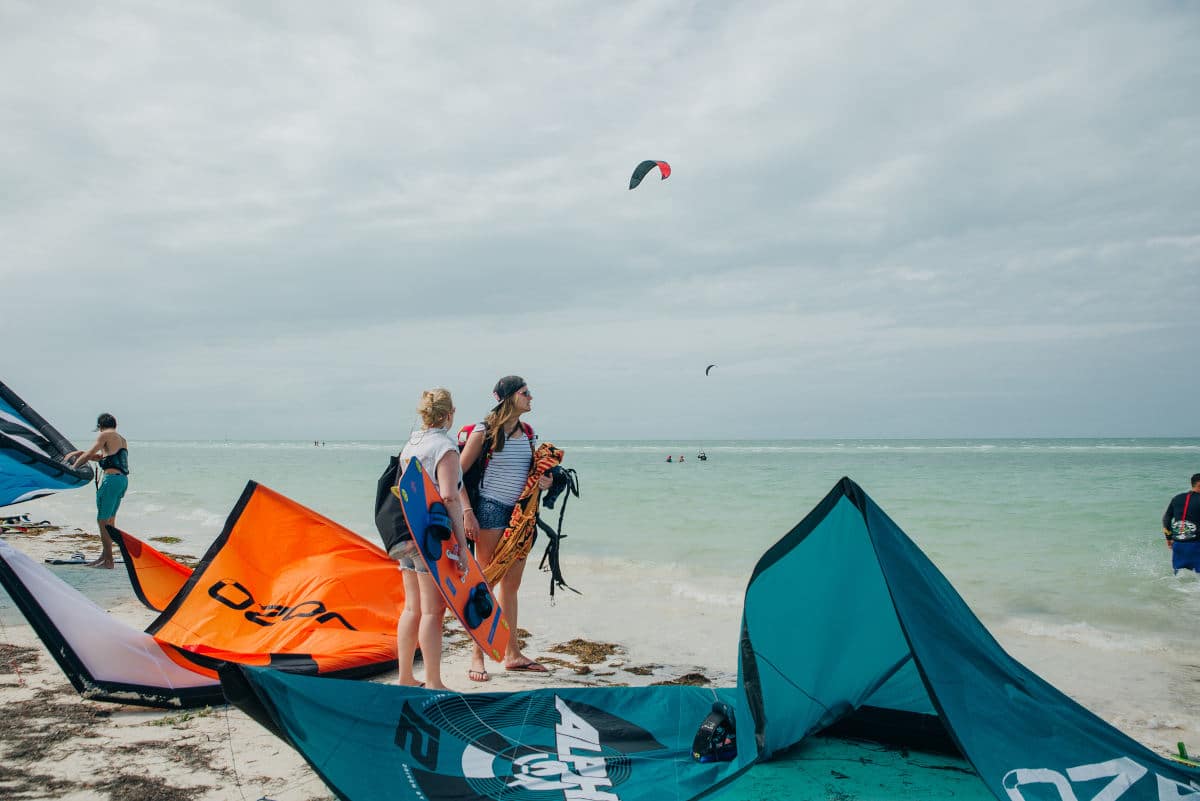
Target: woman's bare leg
[(406, 627), (429, 632), (506, 594), (485, 549)]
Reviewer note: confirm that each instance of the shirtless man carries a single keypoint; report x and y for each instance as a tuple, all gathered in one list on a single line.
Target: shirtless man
[(112, 452)]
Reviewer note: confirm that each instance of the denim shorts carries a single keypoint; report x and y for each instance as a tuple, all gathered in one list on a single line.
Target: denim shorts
[(409, 556), (493, 514)]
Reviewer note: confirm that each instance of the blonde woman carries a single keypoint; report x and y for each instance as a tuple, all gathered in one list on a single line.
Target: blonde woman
[(424, 608), (500, 449)]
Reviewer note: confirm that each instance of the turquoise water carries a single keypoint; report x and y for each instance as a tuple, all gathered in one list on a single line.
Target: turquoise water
[(1031, 527), (1054, 543)]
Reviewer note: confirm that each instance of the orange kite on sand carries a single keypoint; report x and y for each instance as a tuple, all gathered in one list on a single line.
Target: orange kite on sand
[(517, 540), (282, 586)]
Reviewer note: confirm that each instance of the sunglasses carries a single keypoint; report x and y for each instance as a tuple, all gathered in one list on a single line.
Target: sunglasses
[(526, 393)]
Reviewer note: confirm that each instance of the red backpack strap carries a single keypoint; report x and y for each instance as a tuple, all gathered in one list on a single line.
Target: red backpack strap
[(464, 434), (529, 434)]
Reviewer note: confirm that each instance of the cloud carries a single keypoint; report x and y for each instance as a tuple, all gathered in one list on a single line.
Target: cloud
[(244, 221)]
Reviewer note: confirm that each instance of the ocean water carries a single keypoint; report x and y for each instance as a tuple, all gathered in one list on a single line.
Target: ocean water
[(1055, 544)]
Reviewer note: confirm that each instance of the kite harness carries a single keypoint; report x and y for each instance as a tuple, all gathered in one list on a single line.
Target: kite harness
[(565, 480)]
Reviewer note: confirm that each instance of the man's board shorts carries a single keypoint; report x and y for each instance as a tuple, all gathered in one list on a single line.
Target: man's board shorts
[(1186, 555), (109, 494)]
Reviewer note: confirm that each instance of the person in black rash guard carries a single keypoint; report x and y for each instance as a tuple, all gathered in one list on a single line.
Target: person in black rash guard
[(1181, 527), (112, 452)]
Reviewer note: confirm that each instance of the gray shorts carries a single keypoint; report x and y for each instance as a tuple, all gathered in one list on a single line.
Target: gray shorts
[(493, 514), (409, 556)]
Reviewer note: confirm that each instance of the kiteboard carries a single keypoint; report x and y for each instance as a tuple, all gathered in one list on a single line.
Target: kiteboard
[(21, 524), (77, 559), (468, 595)]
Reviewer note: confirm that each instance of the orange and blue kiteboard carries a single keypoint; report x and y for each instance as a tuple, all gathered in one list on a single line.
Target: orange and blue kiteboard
[(468, 595)]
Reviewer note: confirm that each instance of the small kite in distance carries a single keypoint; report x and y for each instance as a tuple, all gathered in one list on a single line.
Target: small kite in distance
[(706, 369), (640, 171)]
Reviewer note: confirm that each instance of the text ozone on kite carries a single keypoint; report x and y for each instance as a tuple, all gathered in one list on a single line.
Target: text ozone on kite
[(640, 171)]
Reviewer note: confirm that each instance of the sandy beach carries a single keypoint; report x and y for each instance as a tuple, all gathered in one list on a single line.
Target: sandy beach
[(55, 744)]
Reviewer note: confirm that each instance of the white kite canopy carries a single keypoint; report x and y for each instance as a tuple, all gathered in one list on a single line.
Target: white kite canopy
[(104, 659)]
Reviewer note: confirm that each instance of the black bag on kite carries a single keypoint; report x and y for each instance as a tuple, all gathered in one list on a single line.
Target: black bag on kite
[(389, 517)]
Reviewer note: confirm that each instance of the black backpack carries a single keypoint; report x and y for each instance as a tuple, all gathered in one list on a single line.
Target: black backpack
[(389, 517)]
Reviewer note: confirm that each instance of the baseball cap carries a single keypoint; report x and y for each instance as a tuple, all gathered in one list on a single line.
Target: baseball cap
[(506, 387)]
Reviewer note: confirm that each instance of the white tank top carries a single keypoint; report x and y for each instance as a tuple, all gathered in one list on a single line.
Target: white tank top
[(429, 445)]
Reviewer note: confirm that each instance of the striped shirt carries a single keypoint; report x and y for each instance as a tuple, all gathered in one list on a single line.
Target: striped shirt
[(507, 471)]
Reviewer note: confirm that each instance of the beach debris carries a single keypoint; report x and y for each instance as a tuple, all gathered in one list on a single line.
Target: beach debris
[(640, 670), (586, 651), (686, 680), (15, 657), (182, 717), (553, 660), (140, 786)]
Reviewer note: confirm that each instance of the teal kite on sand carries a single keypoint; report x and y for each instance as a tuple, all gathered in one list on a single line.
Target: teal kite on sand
[(848, 630)]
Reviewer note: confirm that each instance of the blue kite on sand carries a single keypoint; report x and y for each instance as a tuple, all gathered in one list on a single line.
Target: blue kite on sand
[(32, 454), (848, 631)]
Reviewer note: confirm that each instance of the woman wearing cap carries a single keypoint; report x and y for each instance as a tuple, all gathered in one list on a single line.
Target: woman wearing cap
[(111, 450), (421, 621), (504, 446)]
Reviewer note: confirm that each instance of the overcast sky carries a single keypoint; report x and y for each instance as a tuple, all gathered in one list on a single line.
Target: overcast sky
[(283, 220)]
